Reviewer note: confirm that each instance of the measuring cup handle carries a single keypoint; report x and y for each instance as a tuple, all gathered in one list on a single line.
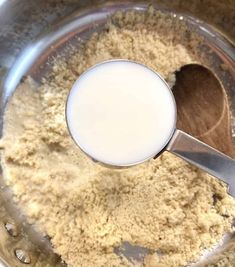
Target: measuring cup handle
[(205, 157)]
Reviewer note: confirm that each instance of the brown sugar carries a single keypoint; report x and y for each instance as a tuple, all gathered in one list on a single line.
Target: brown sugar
[(165, 205)]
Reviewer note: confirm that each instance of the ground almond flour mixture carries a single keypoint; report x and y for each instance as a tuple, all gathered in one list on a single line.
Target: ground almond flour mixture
[(165, 205)]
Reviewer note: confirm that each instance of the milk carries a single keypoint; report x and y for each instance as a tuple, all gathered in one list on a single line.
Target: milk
[(121, 113)]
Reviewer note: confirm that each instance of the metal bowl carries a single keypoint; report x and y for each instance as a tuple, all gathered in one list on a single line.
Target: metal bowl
[(20, 243)]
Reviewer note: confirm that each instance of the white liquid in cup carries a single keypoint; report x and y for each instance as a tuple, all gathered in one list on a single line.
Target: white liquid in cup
[(121, 113)]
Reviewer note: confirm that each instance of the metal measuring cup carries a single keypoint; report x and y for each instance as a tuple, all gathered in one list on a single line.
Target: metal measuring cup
[(179, 143)]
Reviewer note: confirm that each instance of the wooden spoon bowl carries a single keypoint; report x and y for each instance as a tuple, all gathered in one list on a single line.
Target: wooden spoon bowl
[(202, 107)]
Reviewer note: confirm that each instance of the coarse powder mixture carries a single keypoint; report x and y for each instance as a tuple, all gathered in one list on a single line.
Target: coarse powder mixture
[(89, 210)]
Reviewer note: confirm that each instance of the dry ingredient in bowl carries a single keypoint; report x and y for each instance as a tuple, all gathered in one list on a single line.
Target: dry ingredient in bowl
[(165, 205)]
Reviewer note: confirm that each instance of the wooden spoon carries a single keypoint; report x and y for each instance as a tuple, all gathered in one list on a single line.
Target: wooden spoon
[(203, 110)]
